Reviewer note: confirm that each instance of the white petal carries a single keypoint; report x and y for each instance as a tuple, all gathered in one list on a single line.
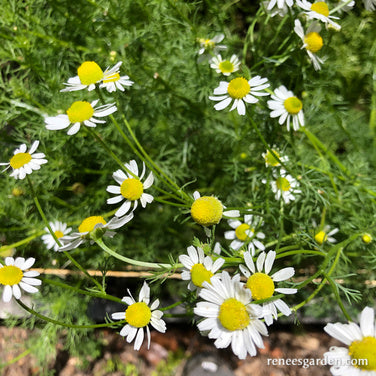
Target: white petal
[(7, 294), (283, 274)]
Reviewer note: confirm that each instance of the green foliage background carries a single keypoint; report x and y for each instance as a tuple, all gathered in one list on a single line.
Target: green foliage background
[(216, 152)]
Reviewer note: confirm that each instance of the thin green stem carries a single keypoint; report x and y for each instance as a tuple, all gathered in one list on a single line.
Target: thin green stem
[(129, 260), (162, 174), (338, 298), (41, 212), (83, 270), (82, 292), (62, 323)]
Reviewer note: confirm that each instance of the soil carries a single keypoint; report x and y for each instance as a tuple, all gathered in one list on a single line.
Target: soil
[(118, 357)]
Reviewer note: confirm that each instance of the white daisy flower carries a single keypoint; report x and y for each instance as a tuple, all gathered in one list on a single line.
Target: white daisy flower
[(275, 10), (14, 275), (346, 6), (226, 67), (90, 224), (239, 90), (138, 316), (112, 79), (318, 10), (89, 73), (324, 234), (230, 318), (262, 285), (131, 188), (281, 4), (211, 45), (25, 162), (245, 233), (370, 5), (80, 112), (271, 160), (312, 41), (359, 357), (286, 106), (284, 186), (198, 267), (208, 210), (60, 229)]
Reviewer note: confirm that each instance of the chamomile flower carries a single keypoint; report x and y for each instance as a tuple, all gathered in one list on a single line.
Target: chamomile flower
[(230, 318), (209, 47), (284, 186), (318, 10), (90, 224), (208, 210), (287, 107), (280, 4), (89, 73), (262, 284), (14, 274), (346, 6), (325, 235), (226, 67), (358, 358), (238, 91), (80, 112), (370, 5), (60, 229), (138, 316), (198, 267), (312, 41), (130, 188), (25, 162), (245, 232), (112, 79), (271, 160), (275, 10)]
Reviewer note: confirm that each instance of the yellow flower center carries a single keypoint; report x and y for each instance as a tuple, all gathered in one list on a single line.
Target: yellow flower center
[(207, 43), (321, 237), (261, 286), (313, 42), (226, 66), (89, 223), (89, 73), (321, 8), (238, 88), (10, 275), (364, 352), (271, 160), (293, 105), (80, 111), (114, 77), (207, 210), (200, 274), (283, 184), (233, 315), (367, 238), (138, 314), (240, 231), (19, 160), (59, 234), (131, 189)]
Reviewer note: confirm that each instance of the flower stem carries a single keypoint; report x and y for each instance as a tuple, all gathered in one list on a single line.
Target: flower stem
[(128, 260), (61, 323)]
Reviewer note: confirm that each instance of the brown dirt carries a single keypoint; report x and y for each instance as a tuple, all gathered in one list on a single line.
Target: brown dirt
[(117, 354)]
